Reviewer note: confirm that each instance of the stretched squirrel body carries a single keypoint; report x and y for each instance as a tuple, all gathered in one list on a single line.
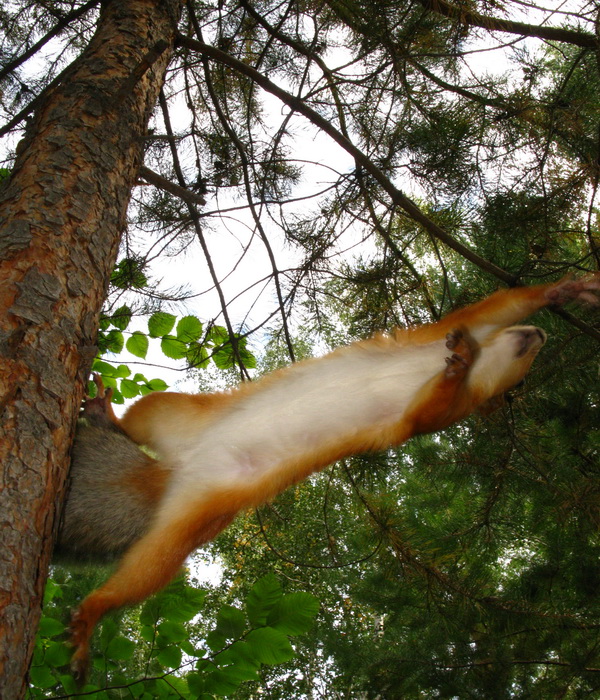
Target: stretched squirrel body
[(221, 453)]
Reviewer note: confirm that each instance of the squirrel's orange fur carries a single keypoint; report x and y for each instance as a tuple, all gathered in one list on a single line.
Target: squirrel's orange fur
[(221, 453)]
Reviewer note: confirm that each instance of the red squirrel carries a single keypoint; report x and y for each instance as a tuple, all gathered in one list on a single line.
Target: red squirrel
[(225, 452)]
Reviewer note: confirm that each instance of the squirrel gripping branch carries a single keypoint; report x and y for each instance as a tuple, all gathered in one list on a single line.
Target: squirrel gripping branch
[(221, 453)]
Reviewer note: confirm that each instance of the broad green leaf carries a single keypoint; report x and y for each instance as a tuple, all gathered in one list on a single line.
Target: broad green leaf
[(247, 358), (113, 341), (50, 627), (151, 612), (130, 389), (241, 672), (195, 682), (171, 687), (121, 317), (138, 344), (170, 656), (231, 622), (68, 683), (223, 357), (189, 329), (120, 649), (294, 614), (157, 385), (52, 591), (57, 654), (220, 683), (173, 631), (42, 677), (183, 607), (216, 640), (104, 368), (217, 335), (173, 348), (117, 396), (147, 632), (197, 356), (269, 646), (262, 598), (109, 631), (161, 323), (238, 659)]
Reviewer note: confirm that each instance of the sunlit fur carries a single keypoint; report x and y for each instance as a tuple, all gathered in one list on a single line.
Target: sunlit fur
[(230, 451)]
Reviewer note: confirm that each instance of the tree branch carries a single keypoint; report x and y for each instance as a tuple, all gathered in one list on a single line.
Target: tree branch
[(170, 187), (400, 199), (58, 27), (494, 24)]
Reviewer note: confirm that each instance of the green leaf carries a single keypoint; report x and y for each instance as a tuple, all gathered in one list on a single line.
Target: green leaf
[(120, 649), (138, 344), (147, 632), (220, 683), (215, 640), (239, 661), (197, 356), (170, 656), (262, 598), (157, 385), (242, 672), (150, 612), (247, 358), (109, 631), (104, 368), (41, 677), (114, 341), (173, 348), (182, 606), (294, 614), (68, 683), (121, 317), (173, 631), (217, 335), (57, 654), (129, 389), (223, 357), (188, 648), (189, 329), (270, 646), (161, 323), (50, 627), (231, 622), (53, 590), (117, 396)]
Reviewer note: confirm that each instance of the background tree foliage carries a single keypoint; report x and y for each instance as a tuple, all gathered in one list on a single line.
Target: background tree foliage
[(285, 143)]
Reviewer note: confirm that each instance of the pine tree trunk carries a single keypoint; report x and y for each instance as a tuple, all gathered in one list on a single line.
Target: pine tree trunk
[(61, 217)]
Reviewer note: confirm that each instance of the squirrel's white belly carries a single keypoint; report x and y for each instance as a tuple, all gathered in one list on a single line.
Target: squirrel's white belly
[(305, 408)]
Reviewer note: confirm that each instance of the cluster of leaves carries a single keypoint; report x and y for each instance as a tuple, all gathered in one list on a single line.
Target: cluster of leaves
[(183, 339), (165, 652)]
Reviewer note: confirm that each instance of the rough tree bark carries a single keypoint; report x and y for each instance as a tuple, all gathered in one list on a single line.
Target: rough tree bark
[(61, 216)]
